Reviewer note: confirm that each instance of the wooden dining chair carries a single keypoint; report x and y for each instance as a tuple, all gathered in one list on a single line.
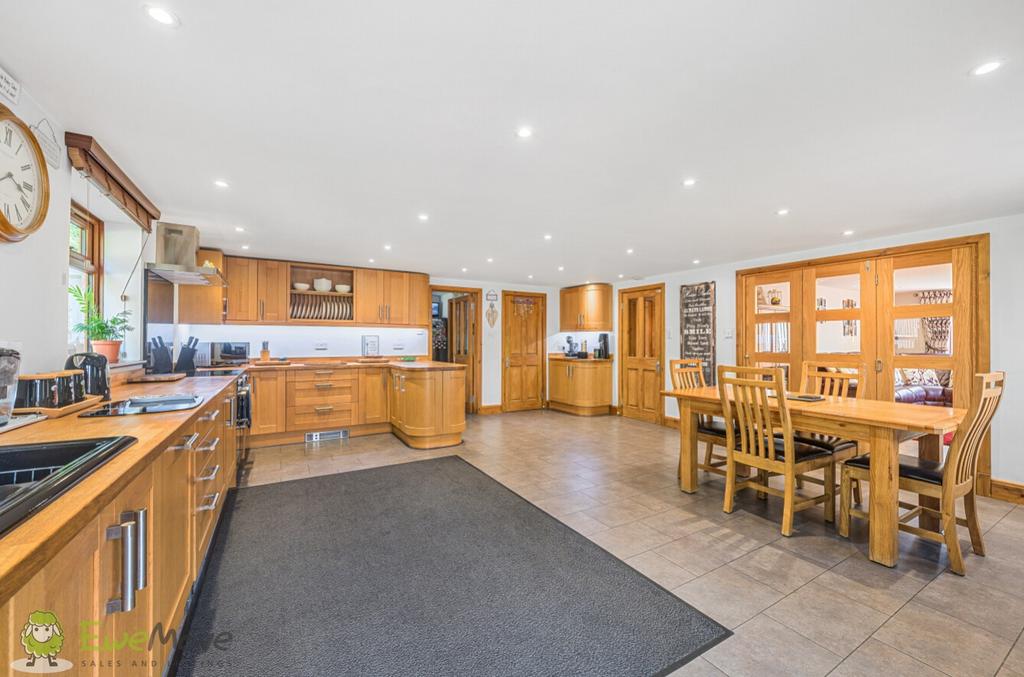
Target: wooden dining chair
[(760, 436), (842, 381), (945, 481), (688, 374)]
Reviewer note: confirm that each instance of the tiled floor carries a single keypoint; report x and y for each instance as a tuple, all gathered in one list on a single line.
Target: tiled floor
[(811, 604)]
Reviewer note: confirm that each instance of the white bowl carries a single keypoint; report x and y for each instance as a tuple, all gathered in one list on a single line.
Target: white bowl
[(300, 286), (343, 288), (322, 284)]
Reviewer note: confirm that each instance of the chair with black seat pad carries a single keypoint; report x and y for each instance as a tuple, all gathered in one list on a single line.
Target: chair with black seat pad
[(760, 435), (687, 374), (843, 381), (948, 481)]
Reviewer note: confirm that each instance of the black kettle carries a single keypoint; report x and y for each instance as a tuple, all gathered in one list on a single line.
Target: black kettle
[(97, 372)]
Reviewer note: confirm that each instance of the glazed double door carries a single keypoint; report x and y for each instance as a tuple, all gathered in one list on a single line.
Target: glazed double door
[(910, 311)]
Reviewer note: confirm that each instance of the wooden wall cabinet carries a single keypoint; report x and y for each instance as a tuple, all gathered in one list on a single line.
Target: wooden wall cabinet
[(203, 305), (269, 395), (257, 290), (582, 387), (585, 308), (272, 283), (390, 297)]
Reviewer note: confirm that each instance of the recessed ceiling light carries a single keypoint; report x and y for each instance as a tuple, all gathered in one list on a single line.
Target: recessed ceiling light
[(986, 68), (423, 216), (490, 260), (696, 262), (465, 270), (689, 183), (245, 246), (782, 212), (547, 237), (561, 268), (387, 247), (524, 132), (239, 229), (371, 260), (629, 251), (529, 277), (621, 276), (163, 16), (847, 233), (221, 183)]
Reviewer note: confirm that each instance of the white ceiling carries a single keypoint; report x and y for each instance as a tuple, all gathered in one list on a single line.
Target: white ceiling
[(336, 122)]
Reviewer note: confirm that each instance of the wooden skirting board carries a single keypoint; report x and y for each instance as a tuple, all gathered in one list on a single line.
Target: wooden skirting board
[(487, 409), (431, 442), (1006, 490), (579, 411)]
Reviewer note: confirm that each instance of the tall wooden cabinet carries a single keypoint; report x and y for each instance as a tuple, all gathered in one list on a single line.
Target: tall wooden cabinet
[(587, 307), (391, 297)]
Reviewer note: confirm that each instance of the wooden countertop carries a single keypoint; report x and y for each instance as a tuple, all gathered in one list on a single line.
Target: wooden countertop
[(419, 365), (27, 547)]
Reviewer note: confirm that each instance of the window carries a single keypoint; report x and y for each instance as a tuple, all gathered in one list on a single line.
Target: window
[(85, 267)]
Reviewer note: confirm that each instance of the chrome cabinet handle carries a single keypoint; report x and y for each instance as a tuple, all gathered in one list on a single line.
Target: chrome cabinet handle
[(212, 416), (403, 383), (141, 544), (189, 441), (232, 403), (212, 446), (211, 505), (322, 372), (211, 476), (124, 532), (323, 410), (323, 386)]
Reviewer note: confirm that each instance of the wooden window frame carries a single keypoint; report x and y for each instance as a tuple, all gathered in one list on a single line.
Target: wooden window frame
[(92, 262)]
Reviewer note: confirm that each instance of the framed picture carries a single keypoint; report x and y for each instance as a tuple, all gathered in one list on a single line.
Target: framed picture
[(435, 309)]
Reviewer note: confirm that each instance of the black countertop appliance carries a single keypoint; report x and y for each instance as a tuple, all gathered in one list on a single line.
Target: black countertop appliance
[(97, 372)]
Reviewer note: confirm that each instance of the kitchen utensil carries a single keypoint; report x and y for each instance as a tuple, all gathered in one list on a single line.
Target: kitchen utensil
[(265, 351), (162, 361), (186, 357), (343, 288), (10, 364), (322, 284), (96, 370), (300, 286)]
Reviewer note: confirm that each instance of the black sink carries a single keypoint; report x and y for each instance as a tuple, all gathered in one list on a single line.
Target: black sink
[(33, 475)]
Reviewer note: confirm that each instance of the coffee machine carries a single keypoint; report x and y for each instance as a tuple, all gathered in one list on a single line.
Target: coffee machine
[(97, 372), (602, 352)]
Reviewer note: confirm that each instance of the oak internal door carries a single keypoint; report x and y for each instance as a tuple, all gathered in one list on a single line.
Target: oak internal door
[(773, 313), (839, 319), (462, 341), (641, 352), (926, 320), (523, 330)]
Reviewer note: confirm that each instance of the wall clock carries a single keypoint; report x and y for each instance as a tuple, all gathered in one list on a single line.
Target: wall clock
[(24, 181)]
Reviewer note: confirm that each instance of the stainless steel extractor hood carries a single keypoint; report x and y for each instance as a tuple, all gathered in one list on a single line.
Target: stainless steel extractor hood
[(176, 248)]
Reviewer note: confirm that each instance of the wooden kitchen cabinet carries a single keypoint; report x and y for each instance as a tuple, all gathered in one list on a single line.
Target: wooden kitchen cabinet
[(581, 387), (198, 304), (269, 394), (257, 290), (428, 406), (391, 297), (272, 291), (585, 308), (373, 395), (242, 303)]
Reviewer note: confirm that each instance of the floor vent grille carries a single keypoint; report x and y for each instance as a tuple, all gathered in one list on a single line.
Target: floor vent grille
[(326, 436)]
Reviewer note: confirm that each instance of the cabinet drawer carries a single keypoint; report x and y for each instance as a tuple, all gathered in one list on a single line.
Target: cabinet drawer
[(315, 393), (321, 416), (209, 420), (326, 374)]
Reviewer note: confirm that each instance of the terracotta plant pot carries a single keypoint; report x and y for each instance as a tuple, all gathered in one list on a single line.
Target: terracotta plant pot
[(108, 349)]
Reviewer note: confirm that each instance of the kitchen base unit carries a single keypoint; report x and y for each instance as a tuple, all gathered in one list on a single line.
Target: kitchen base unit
[(582, 387), (422, 403)]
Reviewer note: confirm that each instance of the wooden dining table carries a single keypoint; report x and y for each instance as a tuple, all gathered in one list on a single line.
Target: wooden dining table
[(876, 425)]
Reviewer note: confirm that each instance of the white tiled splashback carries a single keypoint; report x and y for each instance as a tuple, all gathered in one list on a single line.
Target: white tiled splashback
[(293, 341)]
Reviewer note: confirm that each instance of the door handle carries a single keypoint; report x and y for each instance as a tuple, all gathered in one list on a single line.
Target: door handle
[(210, 476), (878, 366), (212, 446), (657, 367), (189, 441), (211, 505), (389, 312), (323, 410), (403, 383), (323, 386), (126, 533), (212, 416), (508, 362)]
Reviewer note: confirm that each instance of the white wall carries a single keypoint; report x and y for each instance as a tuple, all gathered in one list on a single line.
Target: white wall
[(33, 272), (1007, 285), (491, 340)]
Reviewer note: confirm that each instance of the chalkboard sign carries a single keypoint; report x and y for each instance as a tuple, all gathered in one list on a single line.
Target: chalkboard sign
[(697, 325)]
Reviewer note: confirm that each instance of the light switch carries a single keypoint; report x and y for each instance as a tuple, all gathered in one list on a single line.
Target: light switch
[(729, 333), (320, 345)]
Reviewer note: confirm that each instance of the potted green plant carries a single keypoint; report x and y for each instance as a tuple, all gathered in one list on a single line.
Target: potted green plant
[(105, 336)]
